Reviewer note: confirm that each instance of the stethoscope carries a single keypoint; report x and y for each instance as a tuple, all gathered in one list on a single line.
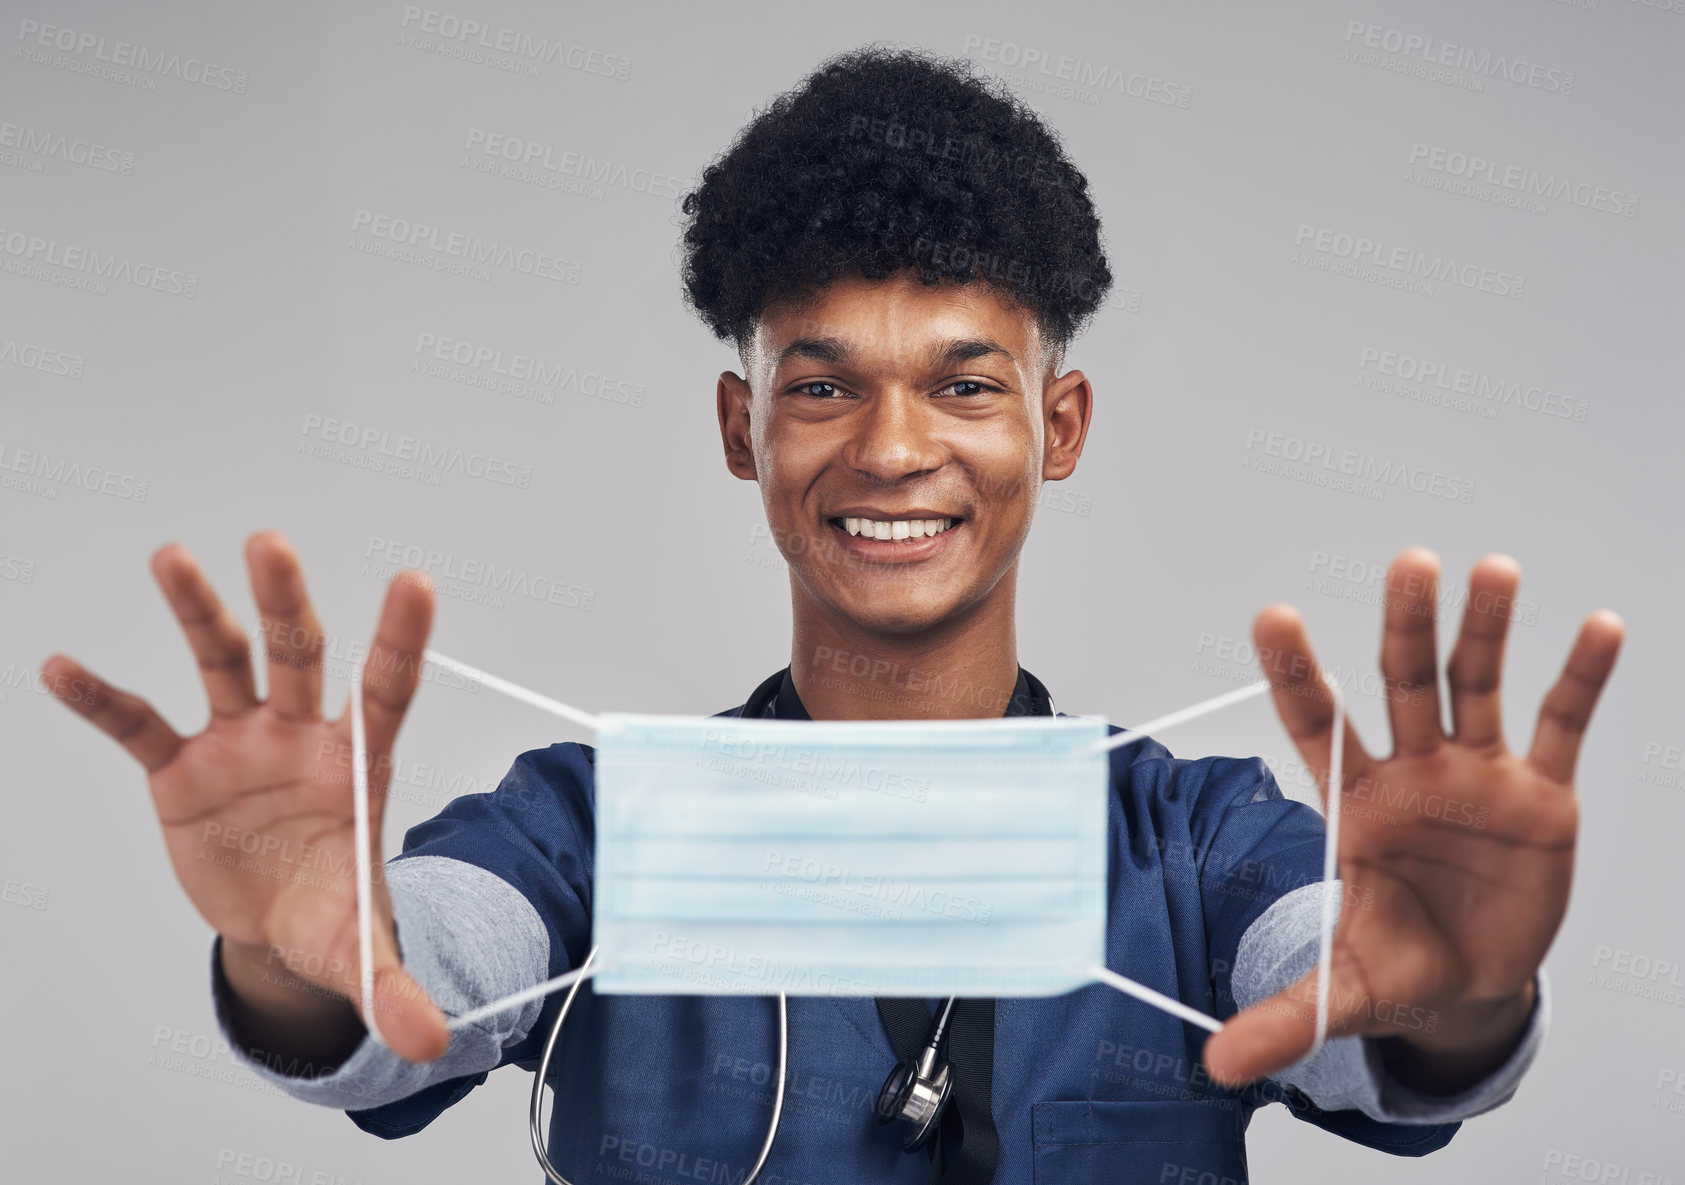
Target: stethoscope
[(535, 1111), (917, 1091)]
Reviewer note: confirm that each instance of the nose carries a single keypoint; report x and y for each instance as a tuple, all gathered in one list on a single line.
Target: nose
[(892, 438)]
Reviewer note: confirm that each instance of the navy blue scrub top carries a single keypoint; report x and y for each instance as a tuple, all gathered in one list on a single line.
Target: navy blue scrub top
[(1091, 1086)]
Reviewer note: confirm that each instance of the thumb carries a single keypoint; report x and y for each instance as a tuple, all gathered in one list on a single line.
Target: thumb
[(404, 1017), (1281, 1029)]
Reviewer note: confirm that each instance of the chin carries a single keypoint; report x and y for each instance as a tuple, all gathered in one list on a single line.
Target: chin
[(900, 614)]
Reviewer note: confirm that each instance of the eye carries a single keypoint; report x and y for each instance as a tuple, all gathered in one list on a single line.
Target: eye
[(808, 389), (981, 388)]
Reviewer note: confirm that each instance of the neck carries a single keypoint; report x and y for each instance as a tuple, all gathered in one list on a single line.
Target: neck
[(963, 667)]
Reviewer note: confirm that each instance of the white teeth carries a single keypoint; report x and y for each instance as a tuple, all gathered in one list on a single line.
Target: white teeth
[(910, 528)]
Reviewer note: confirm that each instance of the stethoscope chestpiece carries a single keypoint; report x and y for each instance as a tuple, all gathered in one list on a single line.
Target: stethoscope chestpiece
[(916, 1100), (918, 1093)]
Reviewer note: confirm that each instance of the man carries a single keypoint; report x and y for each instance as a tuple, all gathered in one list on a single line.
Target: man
[(901, 254)]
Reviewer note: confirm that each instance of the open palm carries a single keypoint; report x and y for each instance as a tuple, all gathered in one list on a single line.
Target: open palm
[(256, 810), (1460, 852)]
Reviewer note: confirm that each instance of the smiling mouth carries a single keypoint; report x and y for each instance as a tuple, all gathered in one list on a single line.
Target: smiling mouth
[(896, 529)]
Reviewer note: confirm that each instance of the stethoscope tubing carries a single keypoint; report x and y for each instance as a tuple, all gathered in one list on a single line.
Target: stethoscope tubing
[(535, 1111)]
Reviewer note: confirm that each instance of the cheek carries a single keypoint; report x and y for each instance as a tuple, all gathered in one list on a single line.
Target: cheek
[(793, 460), (1004, 472)]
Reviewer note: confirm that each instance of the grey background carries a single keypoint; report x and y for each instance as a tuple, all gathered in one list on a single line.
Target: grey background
[(1156, 550)]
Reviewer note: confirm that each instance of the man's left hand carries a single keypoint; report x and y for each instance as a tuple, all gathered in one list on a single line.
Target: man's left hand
[(1456, 854)]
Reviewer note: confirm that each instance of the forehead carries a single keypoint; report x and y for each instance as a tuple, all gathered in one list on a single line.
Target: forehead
[(896, 319)]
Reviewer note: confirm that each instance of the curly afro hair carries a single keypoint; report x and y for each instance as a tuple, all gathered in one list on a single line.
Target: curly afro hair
[(888, 159)]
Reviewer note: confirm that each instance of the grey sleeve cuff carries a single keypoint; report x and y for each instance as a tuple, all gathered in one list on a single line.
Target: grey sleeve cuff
[(1281, 947), (467, 937)]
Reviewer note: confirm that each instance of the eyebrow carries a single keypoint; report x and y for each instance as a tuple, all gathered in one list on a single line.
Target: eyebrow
[(946, 353)]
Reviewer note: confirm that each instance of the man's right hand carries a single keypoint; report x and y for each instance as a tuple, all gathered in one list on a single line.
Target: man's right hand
[(257, 809)]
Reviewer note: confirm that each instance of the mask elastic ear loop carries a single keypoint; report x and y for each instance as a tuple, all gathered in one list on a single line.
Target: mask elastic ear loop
[(1106, 975), (514, 690), (1215, 704), (1330, 861), (1330, 864), (365, 875), (1158, 1000), (360, 822)]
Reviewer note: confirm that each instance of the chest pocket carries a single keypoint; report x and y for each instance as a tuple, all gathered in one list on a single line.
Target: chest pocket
[(1115, 1142)]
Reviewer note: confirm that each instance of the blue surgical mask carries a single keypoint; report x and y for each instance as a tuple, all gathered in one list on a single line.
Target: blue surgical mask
[(894, 858)]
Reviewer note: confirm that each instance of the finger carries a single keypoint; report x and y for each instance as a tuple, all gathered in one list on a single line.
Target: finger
[(1567, 708), (126, 719), (392, 670), (409, 1021), (1409, 658), (405, 1017), (1281, 1029), (292, 636), (1302, 698), (1474, 670), (219, 645)]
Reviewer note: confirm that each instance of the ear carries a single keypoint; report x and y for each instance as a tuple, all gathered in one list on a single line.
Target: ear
[(1070, 409), (733, 398)]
